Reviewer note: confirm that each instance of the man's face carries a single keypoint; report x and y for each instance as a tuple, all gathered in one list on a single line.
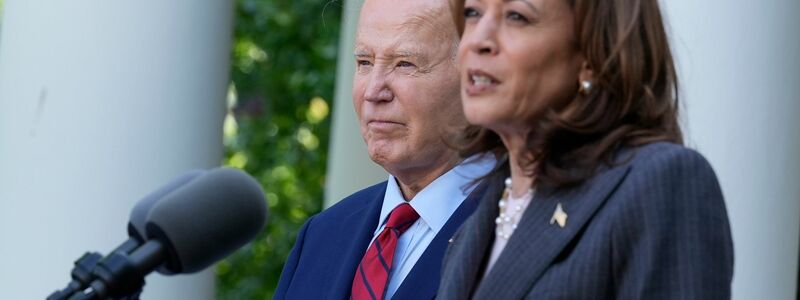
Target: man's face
[(406, 85)]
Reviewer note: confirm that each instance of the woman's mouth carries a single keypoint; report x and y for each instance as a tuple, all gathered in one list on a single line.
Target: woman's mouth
[(480, 82)]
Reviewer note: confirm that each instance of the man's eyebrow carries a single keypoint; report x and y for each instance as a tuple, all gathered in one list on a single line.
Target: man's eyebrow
[(405, 53), (362, 53), (393, 54)]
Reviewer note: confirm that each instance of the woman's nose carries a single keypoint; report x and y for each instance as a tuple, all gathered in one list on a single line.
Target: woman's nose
[(482, 39)]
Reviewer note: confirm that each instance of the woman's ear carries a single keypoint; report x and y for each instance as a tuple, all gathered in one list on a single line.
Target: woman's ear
[(586, 80), (586, 73)]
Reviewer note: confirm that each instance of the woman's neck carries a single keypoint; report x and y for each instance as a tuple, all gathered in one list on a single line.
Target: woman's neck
[(519, 157)]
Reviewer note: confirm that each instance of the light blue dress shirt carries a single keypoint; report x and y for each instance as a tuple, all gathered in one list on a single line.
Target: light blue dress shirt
[(434, 204)]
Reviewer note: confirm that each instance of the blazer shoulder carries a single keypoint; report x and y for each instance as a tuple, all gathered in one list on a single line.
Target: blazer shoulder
[(355, 201), (669, 182), (670, 171), (669, 227), (664, 156), (666, 181)]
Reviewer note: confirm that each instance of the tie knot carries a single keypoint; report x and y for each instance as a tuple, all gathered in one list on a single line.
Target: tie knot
[(402, 217)]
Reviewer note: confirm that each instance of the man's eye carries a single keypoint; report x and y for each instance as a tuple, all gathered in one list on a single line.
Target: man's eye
[(405, 64), (363, 62)]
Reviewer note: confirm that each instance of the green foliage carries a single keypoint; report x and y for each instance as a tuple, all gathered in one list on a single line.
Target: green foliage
[(283, 68)]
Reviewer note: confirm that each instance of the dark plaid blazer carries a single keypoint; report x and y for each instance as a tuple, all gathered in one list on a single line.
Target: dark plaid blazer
[(651, 227)]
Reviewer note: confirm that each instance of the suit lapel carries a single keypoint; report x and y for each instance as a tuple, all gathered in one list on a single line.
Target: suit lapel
[(536, 243), (363, 223), (423, 280)]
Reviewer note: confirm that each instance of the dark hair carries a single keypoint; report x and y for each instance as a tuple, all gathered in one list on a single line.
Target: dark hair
[(634, 99)]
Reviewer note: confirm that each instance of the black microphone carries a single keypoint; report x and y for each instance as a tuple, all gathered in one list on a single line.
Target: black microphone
[(84, 266), (187, 230), (138, 218)]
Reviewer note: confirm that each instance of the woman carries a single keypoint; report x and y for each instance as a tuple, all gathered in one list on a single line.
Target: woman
[(597, 199)]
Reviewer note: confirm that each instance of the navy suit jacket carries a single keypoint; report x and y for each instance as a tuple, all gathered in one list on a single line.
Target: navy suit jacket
[(653, 226), (330, 246)]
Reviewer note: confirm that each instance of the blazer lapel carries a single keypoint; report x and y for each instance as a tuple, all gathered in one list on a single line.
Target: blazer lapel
[(423, 280), (536, 242), (471, 242), (363, 224)]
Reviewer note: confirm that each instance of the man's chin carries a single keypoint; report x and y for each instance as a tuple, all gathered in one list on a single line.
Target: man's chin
[(380, 158), (384, 155)]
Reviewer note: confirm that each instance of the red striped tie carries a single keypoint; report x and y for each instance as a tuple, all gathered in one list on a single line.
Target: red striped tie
[(373, 272)]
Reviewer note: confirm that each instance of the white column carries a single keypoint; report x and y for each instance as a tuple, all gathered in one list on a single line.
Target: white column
[(100, 103), (739, 64), (349, 166)]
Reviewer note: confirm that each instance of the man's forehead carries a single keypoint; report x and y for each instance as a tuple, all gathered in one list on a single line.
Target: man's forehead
[(402, 31), (405, 7), (404, 16)]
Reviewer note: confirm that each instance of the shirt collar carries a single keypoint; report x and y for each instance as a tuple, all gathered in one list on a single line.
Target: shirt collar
[(437, 201)]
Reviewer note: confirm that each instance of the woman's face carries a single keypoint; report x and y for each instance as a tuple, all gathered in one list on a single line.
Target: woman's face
[(517, 59)]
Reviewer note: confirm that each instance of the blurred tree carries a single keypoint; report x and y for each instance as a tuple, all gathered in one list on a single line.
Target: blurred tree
[(282, 81)]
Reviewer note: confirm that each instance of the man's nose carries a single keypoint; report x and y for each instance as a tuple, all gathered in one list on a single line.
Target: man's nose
[(378, 89)]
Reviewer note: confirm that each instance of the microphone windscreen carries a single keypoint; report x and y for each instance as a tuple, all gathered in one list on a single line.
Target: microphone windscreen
[(138, 218), (207, 219)]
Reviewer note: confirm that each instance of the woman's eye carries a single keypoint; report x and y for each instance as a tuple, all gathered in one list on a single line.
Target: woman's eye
[(405, 64), (516, 17), (470, 12)]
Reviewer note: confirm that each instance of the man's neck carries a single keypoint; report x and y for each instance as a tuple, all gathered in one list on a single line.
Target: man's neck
[(412, 182)]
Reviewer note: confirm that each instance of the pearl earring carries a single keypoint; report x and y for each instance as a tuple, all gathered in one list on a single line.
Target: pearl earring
[(585, 87)]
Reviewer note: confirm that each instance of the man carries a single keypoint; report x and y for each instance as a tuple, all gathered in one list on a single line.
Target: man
[(387, 241)]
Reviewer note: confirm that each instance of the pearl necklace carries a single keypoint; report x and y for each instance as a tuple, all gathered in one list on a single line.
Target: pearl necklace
[(511, 219)]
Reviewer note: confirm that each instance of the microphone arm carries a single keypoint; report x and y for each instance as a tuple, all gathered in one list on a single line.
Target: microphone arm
[(82, 273), (121, 275)]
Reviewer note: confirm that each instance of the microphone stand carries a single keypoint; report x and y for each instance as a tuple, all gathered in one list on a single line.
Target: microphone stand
[(117, 276), (81, 275)]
